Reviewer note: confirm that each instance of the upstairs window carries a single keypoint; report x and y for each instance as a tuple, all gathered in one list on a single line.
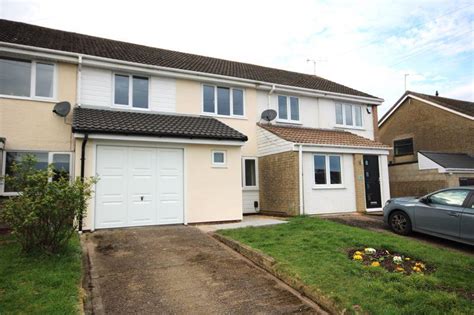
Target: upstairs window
[(223, 101), (403, 147), (288, 108), (348, 115), (26, 78), (131, 90)]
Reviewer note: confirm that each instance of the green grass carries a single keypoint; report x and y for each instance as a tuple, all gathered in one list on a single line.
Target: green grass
[(39, 284), (315, 251)]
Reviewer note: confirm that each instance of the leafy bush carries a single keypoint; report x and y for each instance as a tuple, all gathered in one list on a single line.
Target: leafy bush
[(46, 212)]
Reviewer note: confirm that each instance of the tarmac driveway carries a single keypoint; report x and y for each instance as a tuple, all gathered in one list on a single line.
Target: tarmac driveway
[(178, 270)]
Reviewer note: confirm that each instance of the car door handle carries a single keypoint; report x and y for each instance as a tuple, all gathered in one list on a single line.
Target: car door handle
[(453, 214)]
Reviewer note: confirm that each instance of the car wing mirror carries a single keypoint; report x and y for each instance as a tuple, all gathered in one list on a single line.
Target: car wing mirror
[(425, 200)]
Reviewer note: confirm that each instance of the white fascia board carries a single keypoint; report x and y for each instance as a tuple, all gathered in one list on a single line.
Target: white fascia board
[(160, 139), (459, 170), (114, 63), (340, 149), (394, 108), (32, 53)]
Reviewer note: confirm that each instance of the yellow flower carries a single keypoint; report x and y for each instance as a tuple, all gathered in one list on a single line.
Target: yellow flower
[(420, 265), (358, 253), (357, 257), (407, 258), (375, 264), (416, 269), (399, 269)]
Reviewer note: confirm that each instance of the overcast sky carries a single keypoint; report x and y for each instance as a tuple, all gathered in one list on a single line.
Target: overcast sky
[(367, 45)]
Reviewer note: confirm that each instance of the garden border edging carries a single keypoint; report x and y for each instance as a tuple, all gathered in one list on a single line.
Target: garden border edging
[(269, 264)]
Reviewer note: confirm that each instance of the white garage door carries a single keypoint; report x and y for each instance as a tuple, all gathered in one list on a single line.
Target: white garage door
[(138, 186)]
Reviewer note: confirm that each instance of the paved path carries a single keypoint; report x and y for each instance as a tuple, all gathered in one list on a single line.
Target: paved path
[(179, 270)]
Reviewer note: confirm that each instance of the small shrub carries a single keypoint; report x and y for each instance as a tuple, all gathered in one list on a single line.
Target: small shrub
[(45, 214)]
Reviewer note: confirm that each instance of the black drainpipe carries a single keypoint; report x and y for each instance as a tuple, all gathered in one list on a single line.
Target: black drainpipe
[(83, 159)]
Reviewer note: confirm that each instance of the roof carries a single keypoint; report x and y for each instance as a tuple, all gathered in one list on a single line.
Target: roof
[(32, 35), (460, 106), (149, 124), (328, 137), (450, 160)]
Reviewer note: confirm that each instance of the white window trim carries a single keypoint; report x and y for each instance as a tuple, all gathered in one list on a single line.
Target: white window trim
[(130, 91), (288, 110), (216, 164), (215, 114), (353, 126), (328, 184), (50, 161), (244, 186), (33, 96)]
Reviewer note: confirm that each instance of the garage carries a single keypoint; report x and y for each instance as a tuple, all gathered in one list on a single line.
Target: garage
[(138, 186)]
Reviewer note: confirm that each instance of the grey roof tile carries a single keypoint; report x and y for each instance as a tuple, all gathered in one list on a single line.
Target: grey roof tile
[(32, 35), (450, 160), (93, 120)]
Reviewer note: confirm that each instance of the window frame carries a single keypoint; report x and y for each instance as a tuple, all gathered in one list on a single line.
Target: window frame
[(231, 103), (328, 184), (244, 186), (50, 161), (218, 164), (130, 91), (353, 111), (404, 154), (288, 109), (33, 96)]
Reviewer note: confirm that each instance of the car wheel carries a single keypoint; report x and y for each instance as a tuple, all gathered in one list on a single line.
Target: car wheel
[(400, 223)]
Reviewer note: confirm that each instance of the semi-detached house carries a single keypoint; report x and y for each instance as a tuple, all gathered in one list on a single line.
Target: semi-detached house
[(178, 138)]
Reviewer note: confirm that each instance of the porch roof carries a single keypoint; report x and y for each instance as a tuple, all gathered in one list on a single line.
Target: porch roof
[(328, 137)]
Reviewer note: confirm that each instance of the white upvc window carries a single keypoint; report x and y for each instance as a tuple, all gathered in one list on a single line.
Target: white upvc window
[(288, 108), (348, 115), (27, 79), (327, 170), (219, 158), (61, 161), (249, 173), (223, 101), (131, 91)]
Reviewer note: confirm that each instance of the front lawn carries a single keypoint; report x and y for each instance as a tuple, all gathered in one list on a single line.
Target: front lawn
[(316, 252), (49, 284)]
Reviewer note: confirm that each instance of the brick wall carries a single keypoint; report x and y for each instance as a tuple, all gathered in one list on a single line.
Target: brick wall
[(279, 184), (432, 129), (408, 180), (359, 182)]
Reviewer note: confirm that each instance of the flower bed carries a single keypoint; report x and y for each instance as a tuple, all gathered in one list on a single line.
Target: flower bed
[(392, 262)]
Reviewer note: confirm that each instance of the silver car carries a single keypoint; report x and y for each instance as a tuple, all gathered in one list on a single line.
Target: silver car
[(446, 213)]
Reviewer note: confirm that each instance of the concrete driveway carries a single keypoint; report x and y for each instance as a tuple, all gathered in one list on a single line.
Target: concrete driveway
[(179, 270)]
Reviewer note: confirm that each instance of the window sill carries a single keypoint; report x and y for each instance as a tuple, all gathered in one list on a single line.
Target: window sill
[(131, 108), (223, 116), (250, 188), (290, 122), (219, 166), (26, 98), (326, 187), (349, 127)]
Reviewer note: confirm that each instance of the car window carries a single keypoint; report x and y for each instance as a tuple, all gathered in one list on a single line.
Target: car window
[(453, 197)]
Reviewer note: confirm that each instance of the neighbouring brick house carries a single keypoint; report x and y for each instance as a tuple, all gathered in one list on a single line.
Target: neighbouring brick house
[(433, 143)]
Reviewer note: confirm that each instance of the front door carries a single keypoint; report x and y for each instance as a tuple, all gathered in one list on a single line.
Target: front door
[(372, 181)]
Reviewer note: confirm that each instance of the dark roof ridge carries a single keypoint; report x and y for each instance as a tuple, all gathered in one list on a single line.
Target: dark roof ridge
[(148, 55)]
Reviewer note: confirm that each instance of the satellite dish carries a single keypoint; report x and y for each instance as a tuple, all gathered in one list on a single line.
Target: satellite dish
[(269, 114), (62, 109)]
